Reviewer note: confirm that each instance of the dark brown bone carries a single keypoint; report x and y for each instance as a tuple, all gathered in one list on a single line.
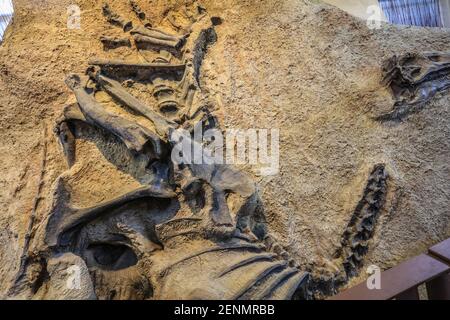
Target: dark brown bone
[(73, 217), (115, 19), (413, 69), (361, 226), (121, 67), (157, 37), (124, 64), (137, 9), (188, 89), (114, 89), (135, 137), (71, 112), (112, 43), (414, 79), (67, 141), (144, 40)]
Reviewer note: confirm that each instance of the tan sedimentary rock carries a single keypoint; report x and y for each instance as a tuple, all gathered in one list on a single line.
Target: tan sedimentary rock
[(360, 182)]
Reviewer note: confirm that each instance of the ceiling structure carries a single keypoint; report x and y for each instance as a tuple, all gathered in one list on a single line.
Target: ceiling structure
[(429, 13), (6, 13)]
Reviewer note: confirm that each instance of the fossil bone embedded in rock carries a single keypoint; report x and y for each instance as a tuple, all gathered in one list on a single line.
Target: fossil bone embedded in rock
[(140, 224)]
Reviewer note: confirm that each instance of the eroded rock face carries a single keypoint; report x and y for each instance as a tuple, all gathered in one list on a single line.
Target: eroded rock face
[(114, 209)]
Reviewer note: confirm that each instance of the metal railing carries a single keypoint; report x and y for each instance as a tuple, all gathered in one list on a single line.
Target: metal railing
[(402, 282)]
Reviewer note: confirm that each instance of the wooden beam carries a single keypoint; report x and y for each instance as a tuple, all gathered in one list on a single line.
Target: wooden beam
[(398, 280)]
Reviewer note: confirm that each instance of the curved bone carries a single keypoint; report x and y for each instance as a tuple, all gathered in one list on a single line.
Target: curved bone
[(272, 267), (233, 247), (135, 137), (245, 262), (285, 289), (66, 217), (273, 283), (114, 88)]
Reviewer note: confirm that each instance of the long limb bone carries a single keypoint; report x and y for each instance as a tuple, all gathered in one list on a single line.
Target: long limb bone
[(135, 137), (157, 34), (114, 88), (144, 40), (146, 70), (112, 43), (157, 38)]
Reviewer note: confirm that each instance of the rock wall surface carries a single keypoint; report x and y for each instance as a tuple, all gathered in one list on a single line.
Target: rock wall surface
[(304, 67)]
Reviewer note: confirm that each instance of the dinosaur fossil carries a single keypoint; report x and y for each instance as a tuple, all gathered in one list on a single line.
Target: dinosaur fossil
[(190, 231), (414, 79)]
